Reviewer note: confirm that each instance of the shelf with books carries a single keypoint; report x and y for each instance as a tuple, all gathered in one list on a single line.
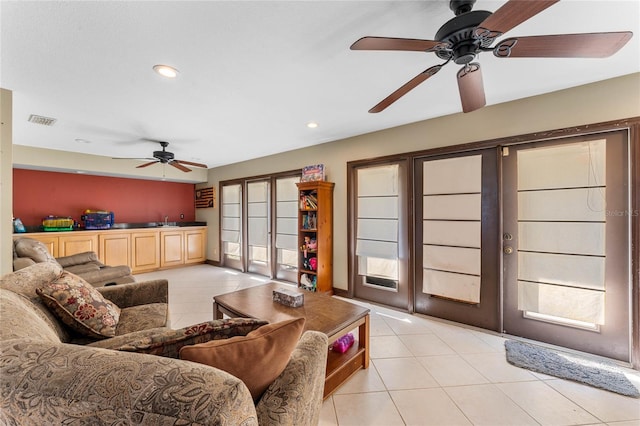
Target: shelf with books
[(315, 236)]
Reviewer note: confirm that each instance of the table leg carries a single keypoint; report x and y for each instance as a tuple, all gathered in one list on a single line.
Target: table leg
[(363, 336), (216, 312)]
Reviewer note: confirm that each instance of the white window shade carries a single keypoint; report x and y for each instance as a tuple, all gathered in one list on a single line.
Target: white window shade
[(377, 222), (287, 213), (230, 222), (257, 214)]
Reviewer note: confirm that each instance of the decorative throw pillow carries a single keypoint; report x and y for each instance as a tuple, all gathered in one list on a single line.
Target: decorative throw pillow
[(257, 358), (80, 306)]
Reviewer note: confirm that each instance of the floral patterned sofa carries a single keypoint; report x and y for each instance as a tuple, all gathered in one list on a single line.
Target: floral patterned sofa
[(49, 374)]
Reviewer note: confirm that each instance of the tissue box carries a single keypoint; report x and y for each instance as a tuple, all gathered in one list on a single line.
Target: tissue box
[(288, 297)]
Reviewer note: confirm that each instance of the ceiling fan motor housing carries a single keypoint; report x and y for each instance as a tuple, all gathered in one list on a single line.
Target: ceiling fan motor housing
[(163, 156), (459, 33)]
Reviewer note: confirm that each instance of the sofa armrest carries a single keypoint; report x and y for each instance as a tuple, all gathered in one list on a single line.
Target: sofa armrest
[(139, 293), (22, 262), (166, 342), (295, 397), (79, 259), (54, 383)]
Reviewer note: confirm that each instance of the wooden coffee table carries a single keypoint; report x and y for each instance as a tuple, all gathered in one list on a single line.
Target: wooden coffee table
[(323, 313)]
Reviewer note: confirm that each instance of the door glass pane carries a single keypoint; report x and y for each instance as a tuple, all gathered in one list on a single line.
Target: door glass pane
[(452, 213), (231, 225), (287, 228), (258, 227), (561, 241)]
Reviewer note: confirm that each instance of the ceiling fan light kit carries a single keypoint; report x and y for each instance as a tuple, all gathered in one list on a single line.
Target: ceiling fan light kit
[(464, 37)]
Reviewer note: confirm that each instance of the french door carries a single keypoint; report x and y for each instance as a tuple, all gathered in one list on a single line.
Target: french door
[(566, 243), (258, 228), (457, 228)]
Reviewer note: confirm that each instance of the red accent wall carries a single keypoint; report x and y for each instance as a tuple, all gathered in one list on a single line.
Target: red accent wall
[(37, 194)]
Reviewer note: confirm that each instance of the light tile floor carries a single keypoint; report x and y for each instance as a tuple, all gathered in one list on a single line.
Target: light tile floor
[(424, 371)]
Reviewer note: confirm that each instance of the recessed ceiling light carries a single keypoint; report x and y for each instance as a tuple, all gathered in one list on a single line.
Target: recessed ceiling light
[(166, 71), (312, 124)]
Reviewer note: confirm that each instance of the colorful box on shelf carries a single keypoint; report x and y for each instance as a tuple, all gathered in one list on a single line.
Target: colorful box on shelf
[(97, 219), (57, 223)]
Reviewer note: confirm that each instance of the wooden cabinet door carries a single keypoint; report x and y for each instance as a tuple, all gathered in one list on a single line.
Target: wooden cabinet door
[(171, 248), (115, 248), (77, 243), (195, 246), (145, 251), (50, 241)]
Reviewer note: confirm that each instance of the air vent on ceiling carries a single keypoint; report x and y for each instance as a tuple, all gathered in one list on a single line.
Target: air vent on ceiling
[(39, 119)]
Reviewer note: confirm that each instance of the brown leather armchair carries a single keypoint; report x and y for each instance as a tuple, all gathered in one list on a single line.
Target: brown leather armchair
[(27, 251)]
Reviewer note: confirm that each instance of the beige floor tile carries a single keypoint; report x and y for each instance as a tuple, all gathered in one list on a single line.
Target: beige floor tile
[(466, 342), (428, 407), (403, 373), (488, 405), (366, 380), (545, 404), (425, 344), (606, 406), (387, 347), (496, 369), (379, 327), (328, 413), (366, 409), (405, 324), (452, 370)]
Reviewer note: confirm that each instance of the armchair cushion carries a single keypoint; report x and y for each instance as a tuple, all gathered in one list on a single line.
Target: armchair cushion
[(167, 342), (257, 358), (54, 384), (142, 317), (80, 306)]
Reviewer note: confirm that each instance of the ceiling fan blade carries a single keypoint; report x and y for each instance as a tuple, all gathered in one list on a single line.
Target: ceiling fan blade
[(189, 163), (471, 87), (131, 158), (511, 14), (587, 45), (391, 43), (146, 164), (411, 84), (179, 166)]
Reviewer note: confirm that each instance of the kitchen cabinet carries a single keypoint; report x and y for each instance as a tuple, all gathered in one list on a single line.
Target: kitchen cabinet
[(195, 245), (171, 248), (114, 248), (142, 249), (145, 251)]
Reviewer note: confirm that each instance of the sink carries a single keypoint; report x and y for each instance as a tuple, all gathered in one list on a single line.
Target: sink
[(167, 224)]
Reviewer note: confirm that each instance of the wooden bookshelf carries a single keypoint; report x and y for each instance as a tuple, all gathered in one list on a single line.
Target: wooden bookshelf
[(315, 223)]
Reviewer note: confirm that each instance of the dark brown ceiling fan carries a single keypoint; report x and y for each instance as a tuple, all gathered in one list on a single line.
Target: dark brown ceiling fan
[(469, 33), (165, 157)]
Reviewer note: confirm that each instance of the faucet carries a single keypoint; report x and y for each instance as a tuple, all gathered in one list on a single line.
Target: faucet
[(166, 220)]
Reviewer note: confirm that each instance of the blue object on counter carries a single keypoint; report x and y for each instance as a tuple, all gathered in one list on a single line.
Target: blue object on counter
[(18, 226)]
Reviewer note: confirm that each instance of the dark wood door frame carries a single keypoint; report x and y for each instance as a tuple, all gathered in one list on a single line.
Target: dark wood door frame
[(632, 124)]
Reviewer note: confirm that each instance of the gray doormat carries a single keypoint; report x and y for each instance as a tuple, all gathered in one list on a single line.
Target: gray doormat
[(599, 374)]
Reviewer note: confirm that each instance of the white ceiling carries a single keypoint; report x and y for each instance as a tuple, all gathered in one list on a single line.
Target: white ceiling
[(253, 73)]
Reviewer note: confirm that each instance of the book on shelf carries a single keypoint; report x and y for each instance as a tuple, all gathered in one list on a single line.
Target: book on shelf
[(308, 202), (309, 221)]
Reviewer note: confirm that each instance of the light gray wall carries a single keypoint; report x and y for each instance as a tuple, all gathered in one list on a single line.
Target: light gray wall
[(6, 181), (598, 102)]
